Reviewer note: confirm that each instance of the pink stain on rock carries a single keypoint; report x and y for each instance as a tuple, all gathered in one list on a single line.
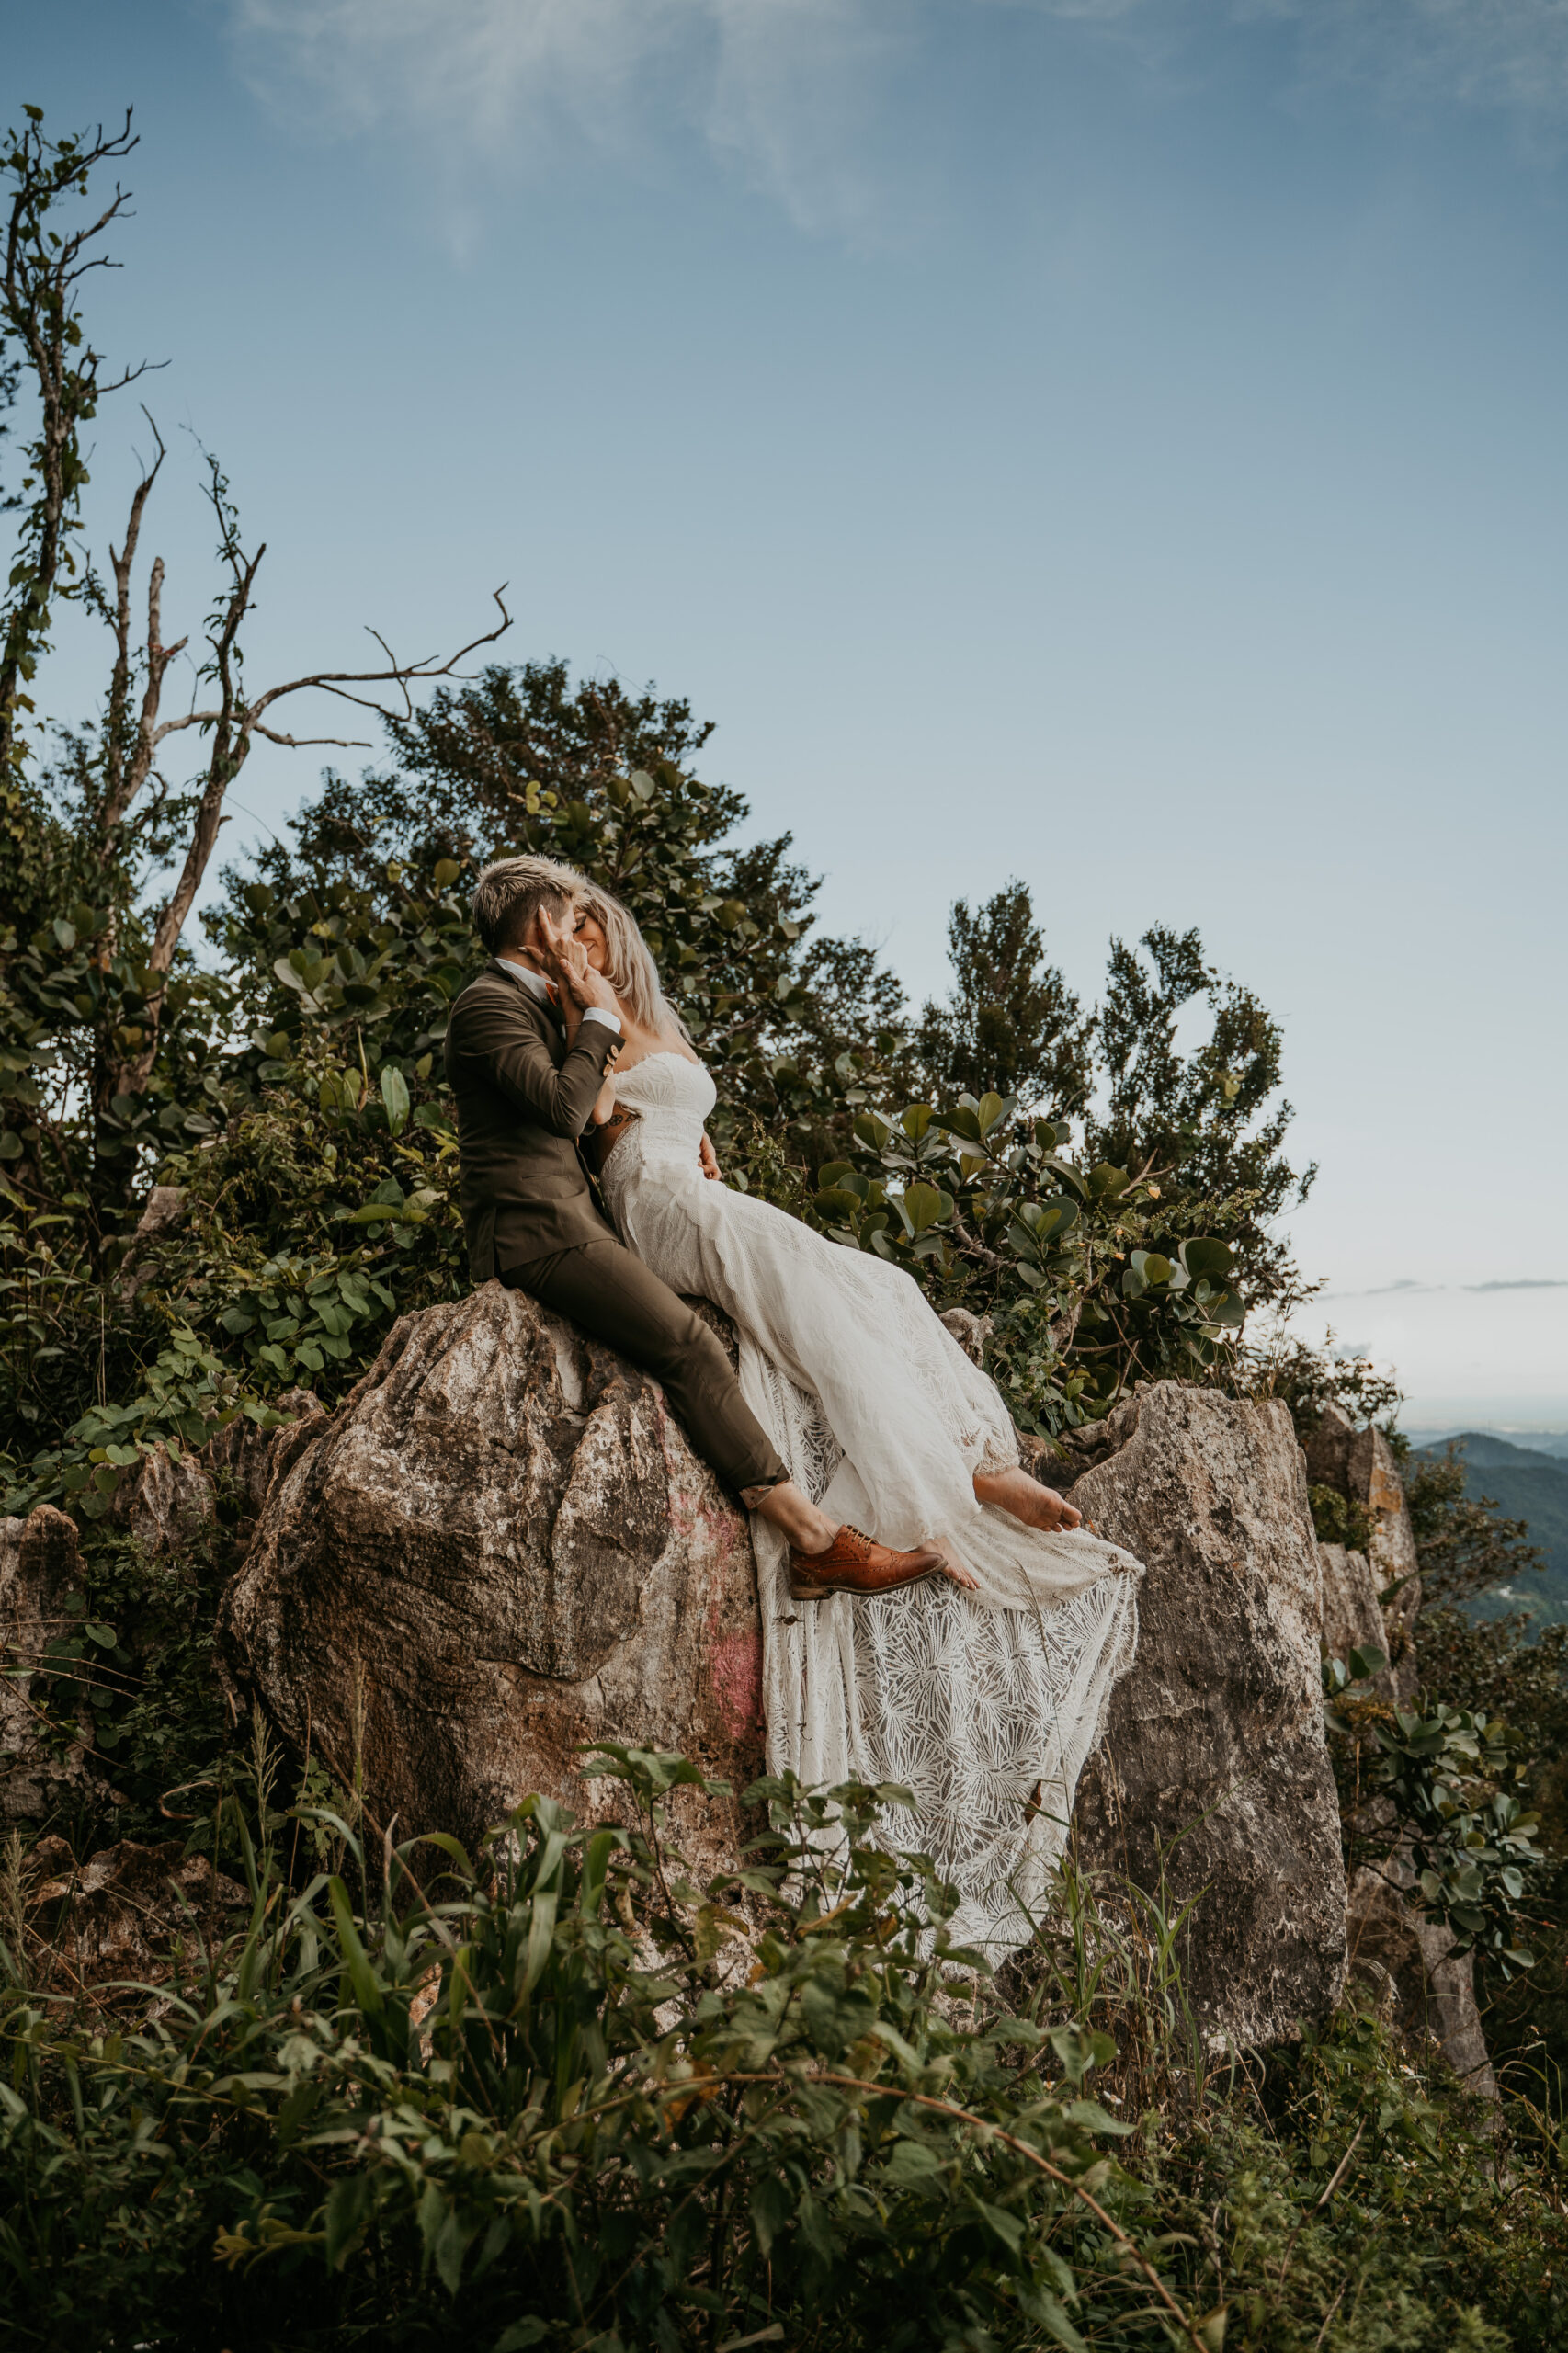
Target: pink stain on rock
[(734, 1676)]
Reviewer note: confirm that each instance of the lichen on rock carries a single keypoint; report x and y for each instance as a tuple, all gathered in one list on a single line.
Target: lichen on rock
[(500, 1549), (1214, 1776)]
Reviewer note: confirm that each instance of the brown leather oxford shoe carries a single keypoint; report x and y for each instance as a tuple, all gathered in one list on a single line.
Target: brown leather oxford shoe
[(853, 1563)]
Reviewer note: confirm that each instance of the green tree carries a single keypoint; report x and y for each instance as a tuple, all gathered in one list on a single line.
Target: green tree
[(1465, 1544), (1010, 1026), (1211, 1112), (521, 759)]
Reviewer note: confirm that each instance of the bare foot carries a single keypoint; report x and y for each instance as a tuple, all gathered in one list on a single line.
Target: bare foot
[(1015, 1492), (959, 1575)]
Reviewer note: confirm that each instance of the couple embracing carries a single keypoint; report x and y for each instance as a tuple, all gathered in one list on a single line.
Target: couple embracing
[(932, 1615)]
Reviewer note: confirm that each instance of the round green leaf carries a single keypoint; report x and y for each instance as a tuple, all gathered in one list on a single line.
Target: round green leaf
[(923, 1205), (959, 1122), (1048, 1221)]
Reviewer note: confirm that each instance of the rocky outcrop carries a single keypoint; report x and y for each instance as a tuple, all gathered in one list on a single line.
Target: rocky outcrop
[(1408, 1966), (42, 1762), (500, 1549), (1360, 1466), (1352, 1617), (1213, 1775), (168, 1502), (1404, 1961)]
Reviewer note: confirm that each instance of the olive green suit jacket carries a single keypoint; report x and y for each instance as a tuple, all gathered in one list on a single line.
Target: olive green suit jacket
[(523, 1099)]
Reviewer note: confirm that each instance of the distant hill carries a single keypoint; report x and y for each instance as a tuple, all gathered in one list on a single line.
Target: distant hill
[(1530, 1486), (1548, 1442)]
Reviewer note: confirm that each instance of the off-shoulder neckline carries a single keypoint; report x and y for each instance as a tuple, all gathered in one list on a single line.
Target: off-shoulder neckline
[(660, 1054)]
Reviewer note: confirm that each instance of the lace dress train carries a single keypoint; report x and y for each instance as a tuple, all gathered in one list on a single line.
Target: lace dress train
[(985, 1704)]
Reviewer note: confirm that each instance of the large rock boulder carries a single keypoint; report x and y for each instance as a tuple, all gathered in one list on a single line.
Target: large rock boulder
[(501, 1548), (1214, 1776)]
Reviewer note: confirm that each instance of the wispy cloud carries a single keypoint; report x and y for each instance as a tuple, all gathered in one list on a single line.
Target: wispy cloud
[(792, 94), (777, 87), (475, 66)]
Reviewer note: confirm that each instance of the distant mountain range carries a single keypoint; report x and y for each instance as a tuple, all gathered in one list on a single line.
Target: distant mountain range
[(1523, 1441), (1528, 1483)]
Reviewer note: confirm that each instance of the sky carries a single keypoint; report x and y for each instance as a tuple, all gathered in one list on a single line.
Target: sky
[(1118, 443)]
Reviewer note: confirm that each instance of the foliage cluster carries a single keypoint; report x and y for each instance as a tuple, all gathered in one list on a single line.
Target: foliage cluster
[(565, 2094), (1449, 1787), (1467, 1546)]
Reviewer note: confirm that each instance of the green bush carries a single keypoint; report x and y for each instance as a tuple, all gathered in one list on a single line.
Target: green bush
[(565, 2096)]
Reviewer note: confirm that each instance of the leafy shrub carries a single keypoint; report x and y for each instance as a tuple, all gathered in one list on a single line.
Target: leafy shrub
[(566, 2097), (1448, 1790)]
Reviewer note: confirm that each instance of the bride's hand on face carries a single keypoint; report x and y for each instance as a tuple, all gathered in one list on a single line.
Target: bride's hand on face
[(588, 933), (567, 960)]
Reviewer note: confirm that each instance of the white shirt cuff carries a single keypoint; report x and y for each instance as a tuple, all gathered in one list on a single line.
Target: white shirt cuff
[(598, 1013)]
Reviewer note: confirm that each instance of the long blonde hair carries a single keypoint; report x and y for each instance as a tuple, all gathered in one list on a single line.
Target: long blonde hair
[(630, 967)]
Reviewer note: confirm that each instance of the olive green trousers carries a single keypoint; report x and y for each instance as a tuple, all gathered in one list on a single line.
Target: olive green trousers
[(612, 1296)]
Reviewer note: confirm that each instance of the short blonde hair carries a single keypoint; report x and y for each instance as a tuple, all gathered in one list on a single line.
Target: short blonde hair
[(510, 892)]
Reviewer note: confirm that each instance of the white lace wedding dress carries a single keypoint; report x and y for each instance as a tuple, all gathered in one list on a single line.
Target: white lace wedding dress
[(984, 1705)]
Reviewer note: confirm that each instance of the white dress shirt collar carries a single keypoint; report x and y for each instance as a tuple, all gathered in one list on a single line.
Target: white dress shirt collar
[(534, 982)]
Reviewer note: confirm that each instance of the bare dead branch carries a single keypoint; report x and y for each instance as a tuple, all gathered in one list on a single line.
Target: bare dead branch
[(122, 561), (236, 721), (401, 674), (310, 743)]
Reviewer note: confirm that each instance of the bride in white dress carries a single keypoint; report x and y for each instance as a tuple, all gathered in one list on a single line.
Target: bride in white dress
[(982, 1693)]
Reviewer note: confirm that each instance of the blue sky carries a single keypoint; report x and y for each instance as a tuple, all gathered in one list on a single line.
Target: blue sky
[(1118, 445)]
